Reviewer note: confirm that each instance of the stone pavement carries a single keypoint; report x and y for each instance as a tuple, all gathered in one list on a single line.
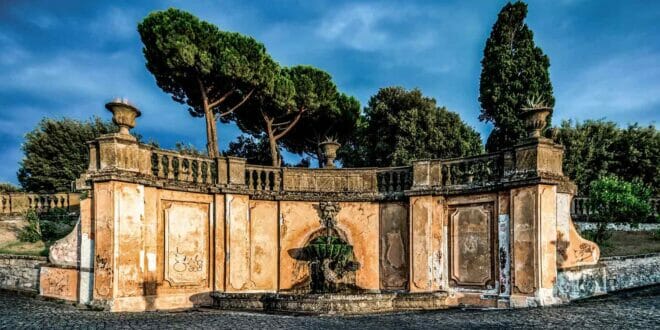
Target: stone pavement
[(638, 309)]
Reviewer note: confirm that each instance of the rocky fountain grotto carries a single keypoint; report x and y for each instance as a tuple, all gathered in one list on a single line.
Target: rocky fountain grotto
[(165, 230), (330, 258)]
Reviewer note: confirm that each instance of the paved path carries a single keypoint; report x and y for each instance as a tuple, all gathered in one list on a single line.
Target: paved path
[(639, 309)]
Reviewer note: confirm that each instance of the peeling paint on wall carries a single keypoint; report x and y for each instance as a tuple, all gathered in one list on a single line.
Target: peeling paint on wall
[(504, 255)]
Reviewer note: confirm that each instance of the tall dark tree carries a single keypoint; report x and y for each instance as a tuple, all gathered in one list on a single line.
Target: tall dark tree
[(514, 70), (400, 126), (298, 91), (213, 72), (55, 153), (336, 121)]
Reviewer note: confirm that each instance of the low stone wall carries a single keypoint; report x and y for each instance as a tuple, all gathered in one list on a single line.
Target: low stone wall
[(609, 275), (618, 226), (20, 272)]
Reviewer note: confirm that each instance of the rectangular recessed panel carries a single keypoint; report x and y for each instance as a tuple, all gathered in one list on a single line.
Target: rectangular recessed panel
[(186, 243), (471, 244)]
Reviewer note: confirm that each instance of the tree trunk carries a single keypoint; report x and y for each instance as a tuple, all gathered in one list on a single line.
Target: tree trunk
[(211, 133), (274, 152), (319, 156)]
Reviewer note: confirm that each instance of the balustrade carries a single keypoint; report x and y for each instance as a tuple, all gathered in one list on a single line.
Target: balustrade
[(395, 179), (20, 202), (175, 166), (263, 178), (476, 171)]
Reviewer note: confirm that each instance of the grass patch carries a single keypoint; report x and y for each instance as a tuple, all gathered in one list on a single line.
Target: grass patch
[(38, 248), (625, 243)]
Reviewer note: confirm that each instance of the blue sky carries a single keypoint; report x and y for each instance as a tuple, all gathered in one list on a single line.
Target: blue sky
[(67, 58)]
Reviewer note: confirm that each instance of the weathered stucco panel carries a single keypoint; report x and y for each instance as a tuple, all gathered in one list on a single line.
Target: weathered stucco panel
[(425, 243), (61, 283), (129, 253), (471, 245), (359, 221), (186, 243), (219, 241), (572, 249), (238, 243), (184, 237), (104, 243), (394, 246), (263, 244), (548, 236), (298, 220), (524, 205), (151, 235)]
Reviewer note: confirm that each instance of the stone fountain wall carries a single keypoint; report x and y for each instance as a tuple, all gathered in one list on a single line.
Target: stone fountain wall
[(163, 230)]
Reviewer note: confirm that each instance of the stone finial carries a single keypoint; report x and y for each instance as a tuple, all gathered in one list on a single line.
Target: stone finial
[(329, 148), (123, 114)]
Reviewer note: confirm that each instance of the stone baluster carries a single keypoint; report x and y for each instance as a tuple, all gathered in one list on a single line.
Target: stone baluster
[(248, 178), (259, 183), (276, 180), (203, 172)]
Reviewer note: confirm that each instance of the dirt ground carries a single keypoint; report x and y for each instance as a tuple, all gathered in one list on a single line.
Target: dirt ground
[(624, 243), (9, 243)]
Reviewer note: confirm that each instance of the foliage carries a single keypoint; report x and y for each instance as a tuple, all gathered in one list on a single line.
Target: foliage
[(188, 149), (213, 72), (257, 151), (617, 200), (637, 155), (596, 148), (299, 90), (254, 149), (337, 120), (513, 71), (56, 223), (47, 226), (6, 187), (55, 153), (400, 126), (32, 232)]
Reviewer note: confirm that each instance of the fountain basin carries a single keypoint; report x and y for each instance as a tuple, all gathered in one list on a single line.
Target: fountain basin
[(329, 303)]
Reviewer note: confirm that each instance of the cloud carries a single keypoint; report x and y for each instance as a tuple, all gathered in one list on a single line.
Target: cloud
[(115, 23), (616, 87), (357, 26)]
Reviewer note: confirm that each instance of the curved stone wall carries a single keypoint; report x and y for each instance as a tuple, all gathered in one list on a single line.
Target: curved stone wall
[(165, 230)]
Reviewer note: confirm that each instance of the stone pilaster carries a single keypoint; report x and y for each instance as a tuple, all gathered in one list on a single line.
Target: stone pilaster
[(426, 241)]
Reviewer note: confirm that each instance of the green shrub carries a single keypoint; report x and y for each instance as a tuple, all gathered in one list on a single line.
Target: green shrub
[(32, 232), (56, 223), (617, 200)]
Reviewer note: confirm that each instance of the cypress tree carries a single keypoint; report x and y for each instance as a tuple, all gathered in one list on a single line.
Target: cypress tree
[(513, 71)]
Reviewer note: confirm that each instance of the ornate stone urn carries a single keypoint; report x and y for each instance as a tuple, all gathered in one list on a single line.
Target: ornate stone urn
[(329, 148), (123, 114), (535, 117)]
